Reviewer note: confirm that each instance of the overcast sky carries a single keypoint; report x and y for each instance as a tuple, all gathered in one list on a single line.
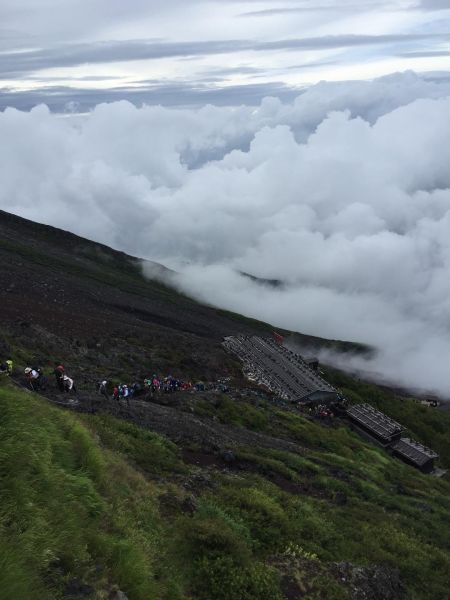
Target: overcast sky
[(72, 54)]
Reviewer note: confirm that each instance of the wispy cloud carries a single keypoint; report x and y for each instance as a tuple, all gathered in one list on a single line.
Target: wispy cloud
[(425, 54), (57, 98), (341, 8), (311, 8), (17, 64), (271, 12), (434, 4)]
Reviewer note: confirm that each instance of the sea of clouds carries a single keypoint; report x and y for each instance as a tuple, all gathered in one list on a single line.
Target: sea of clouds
[(344, 195)]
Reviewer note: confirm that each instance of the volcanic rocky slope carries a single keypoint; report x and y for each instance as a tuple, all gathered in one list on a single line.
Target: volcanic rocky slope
[(66, 297), (224, 495)]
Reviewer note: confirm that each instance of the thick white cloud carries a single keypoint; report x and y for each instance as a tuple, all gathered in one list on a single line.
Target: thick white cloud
[(344, 195)]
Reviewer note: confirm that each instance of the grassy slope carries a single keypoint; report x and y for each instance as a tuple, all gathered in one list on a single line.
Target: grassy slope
[(101, 501), (431, 427), (69, 508), (107, 503)]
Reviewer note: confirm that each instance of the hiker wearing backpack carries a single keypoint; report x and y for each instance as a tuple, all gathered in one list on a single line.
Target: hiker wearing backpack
[(135, 389), (35, 378), (6, 368), (156, 384), (59, 376), (102, 388), (69, 385)]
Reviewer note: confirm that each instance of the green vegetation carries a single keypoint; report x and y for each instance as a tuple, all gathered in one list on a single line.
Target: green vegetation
[(427, 425), (228, 411), (69, 509), (148, 451), (95, 502), (98, 500)]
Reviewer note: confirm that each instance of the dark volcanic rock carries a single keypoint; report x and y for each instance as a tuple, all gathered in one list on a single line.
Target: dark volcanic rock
[(116, 594), (5, 348), (371, 583), (228, 456), (77, 589)]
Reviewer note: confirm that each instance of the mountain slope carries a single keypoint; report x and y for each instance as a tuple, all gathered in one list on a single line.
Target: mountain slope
[(224, 495), (93, 503), (76, 294)]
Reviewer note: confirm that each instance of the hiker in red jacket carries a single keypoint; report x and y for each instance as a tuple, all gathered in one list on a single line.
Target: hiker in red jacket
[(59, 376)]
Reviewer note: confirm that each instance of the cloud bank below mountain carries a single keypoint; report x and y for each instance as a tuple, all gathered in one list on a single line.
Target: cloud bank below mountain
[(343, 194)]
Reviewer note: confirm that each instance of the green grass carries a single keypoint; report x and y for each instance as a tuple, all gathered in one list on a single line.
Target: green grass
[(151, 453), (69, 509), (97, 499), (430, 426), (233, 412)]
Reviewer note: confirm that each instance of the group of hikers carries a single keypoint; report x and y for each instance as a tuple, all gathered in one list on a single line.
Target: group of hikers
[(326, 411), (38, 381), (171, 384), (321, 411), (108, 389), (153, 385)]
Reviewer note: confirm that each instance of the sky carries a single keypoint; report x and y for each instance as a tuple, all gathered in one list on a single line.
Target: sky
[(73, 55), (300, 141)]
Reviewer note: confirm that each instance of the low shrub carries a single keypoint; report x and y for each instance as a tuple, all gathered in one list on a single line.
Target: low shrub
[(222, 578)]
